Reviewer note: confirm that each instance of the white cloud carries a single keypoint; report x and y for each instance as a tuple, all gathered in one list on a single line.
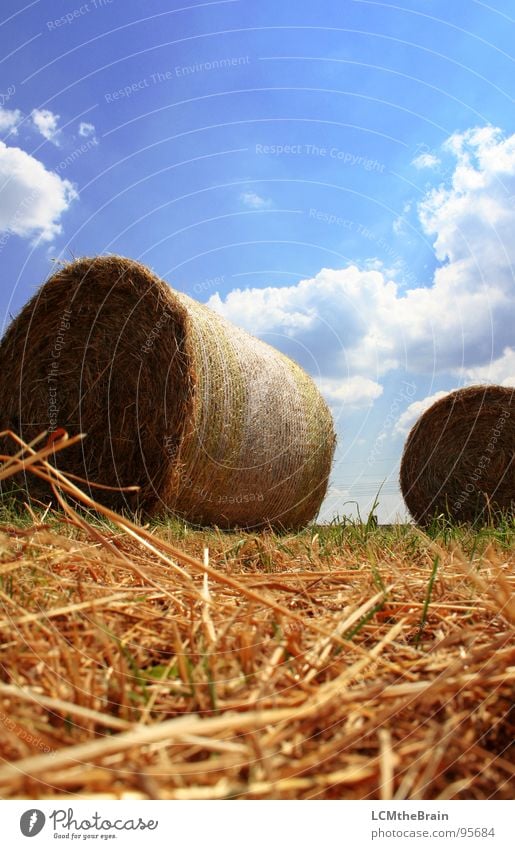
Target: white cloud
[(408, 418), (86, 129), (45, 123), (500, 371), (255, 201), (322, 321), (353, 391), (32, 199), (346, 322), (472, 218), (426, 160), (9, 119)]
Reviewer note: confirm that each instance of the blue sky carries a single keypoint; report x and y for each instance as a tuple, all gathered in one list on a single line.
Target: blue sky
[(336, 177)]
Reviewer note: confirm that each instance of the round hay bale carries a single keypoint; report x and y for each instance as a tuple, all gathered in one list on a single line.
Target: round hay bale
[(211, 423), (459, 458)]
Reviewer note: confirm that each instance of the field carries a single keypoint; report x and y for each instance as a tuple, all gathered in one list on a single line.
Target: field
[(348, 661)]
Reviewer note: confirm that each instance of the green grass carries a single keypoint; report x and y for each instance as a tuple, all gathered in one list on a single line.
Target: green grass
[(367, 539)]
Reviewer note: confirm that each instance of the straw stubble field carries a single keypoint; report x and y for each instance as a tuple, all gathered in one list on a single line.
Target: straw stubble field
[(162, 662)]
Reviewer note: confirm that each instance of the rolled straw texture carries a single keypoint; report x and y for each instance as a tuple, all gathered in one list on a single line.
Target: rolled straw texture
[(459, 459), (211, 423)]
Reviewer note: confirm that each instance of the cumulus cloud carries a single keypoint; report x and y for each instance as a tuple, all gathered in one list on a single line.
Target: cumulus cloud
[(9, 119), (358, 322), (45, 123), (255, 201), (86, 129), (477, 205), (408, 418), (322, 321), (32, 199), (500, 371), (351, 391)]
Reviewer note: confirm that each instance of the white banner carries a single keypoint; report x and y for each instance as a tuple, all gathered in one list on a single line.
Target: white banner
[(254, 825)]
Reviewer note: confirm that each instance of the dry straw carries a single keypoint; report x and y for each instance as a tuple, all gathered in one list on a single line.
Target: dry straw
[(132, 668), (206, 420), (459, 459)]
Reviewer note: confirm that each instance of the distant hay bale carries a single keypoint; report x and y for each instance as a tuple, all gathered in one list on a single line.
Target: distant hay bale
[(459, 459), (211, 423)]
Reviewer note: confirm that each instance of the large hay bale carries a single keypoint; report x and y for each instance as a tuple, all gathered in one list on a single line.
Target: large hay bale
[(208, 421), (459, 459)]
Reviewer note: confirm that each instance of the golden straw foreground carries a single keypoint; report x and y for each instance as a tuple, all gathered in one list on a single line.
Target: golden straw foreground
[(336, 664), (207, 421)]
